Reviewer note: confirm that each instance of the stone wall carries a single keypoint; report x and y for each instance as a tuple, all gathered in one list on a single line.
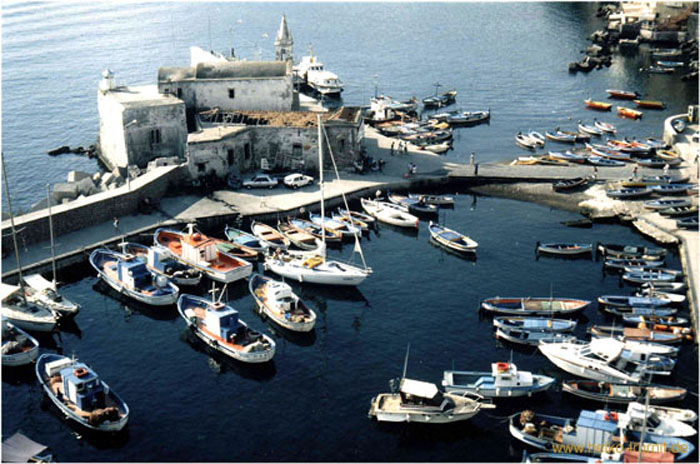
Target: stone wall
[(91, 210), (142, 142)]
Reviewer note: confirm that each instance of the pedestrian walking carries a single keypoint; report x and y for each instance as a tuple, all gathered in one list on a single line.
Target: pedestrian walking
[(634, 172), (115, 223), (405, 148), (392, 148), (666, 166), (476, 169), (595, 172), (471, 159)]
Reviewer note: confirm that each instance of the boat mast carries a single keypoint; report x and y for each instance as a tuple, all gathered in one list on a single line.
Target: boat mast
[(12, 223), (320, 179), (405, 363), (53, 251)]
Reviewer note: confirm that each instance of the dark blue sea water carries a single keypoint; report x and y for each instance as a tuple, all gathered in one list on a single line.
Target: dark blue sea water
[(311, 402)]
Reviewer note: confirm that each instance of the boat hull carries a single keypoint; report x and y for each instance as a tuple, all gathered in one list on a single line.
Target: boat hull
[(257, 281)]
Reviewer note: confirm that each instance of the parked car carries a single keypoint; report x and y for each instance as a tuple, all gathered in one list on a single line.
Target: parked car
[(297, 180), (260, 181)]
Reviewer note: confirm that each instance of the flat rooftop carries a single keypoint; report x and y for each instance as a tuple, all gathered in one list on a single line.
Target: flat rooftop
[(141, 95), (277, 118)]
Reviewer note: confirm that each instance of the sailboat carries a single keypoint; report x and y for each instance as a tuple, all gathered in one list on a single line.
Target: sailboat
[(40, 291), (314, 266)]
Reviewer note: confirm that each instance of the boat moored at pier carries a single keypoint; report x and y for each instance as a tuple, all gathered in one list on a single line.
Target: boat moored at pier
[(533, 306), (504, 381)]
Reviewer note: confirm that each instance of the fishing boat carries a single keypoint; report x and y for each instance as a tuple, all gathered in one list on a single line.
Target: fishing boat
[(605, 126), (525, 141), (219, 326), (413, 206), (629, 193), (597, 105), (687, 223), (683, 415), (567, 156), (22, 314), (129, 275), (269, 235), (628, 112), (600, 161), (570, 184), (636, 333), (160, 262), (610, 392), (535, 324), (604, 359), (650, 104), (523, 336), (248, 240), (298, 237), (450, 239), (588, 129), (671, 189), (80, 394), (658, 163), (615, 250), (462, 118), (343, 228), (638, 418), (671, 321), (18, 347), (504, 381), (533, 306), (438, 200), (438, 101), (43, 293), (316, 230), (621, 263), (423, 402), (638, 277), (626, 301), (565, 249), (201, 252), (622, 94), (679, 211), (278, 302), (666, 203), (560, 136), (388, 213)]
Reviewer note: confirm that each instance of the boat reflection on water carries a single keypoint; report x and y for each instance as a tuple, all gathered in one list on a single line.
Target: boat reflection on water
[(221, 364), (165, 313), (406, 231), (68, 325)]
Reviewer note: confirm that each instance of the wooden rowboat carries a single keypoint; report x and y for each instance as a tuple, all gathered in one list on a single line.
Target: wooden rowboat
[(533, 306), (651, 104), (608, 392), (450, 239), (565, 249), (628, 112), (622, 94), (569, 184), (597, 105)]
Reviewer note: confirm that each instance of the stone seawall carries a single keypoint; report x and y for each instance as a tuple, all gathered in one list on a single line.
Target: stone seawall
[(88, 211)]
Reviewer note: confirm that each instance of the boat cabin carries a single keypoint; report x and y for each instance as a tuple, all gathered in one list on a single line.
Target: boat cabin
[(198, 248), (221, 320), (507, 375), (281, 296), (81, 384), (132, 272), (592, 428), (417, 393)]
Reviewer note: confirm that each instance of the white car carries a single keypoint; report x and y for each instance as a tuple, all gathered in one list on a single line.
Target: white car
[(260, 181), (297, 180)]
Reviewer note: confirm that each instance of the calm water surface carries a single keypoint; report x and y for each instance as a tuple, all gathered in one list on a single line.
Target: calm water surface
[(311, 402)]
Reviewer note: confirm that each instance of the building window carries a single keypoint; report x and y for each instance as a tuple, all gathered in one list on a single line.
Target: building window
[(179, 92), (201, 167), (246, 151), (230, 157), (231, 93), (342, 144), (296, 151), (155, 136)]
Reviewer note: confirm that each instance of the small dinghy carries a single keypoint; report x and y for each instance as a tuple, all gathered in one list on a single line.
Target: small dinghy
[(438, 200), (620, 264), (605, 126), (344, 229), (504, 381), (622, 94), (639, 419), (22, 314), (655, 143), (18, 347), (668, 155), (597, 105), (316, 230), (666, 203), (671, 189), (567, 156), (278, 302), (603, 151), (533, 306), (160, 262), (269, 235), (650, 104), (636, 334), (337, 216), (629, 193), (667, 412), (639, 277), (531, 338), (525, 142), (366, 218), (218, 325), (450, 239), (624, 301), (42, 292), (657, 163), (298, 237), (80, 394), (679, 211), (643, 311), (248, 240), (665, 179), (237, 250), (588, 129), (412, 206), (437, 148), (615, 250), (687, 223), (664, 286), (128, 275), (565, 249), (389, 213), (604, 162), (674, 298), (535, 324), (608, 392), (537, 137), (671, 321), (625, 112), (560, 136)]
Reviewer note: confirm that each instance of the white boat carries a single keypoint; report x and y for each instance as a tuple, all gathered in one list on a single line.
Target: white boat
[(535, 324), (218, 325), (525, 141), (439, 200), (637, 416), (128, 275), (452, 240), (22, 314), (362, 217), (437, 148), (345, 229), (504, 381), (161, 262), (389, 213), (590, 130), (601, 359), (683, 415), (605, 126), (537, 137), (201, 252), (41, 292), (277, 301), (18, 347), (312, 71), (80, 394), (268, 234), (530, 337)]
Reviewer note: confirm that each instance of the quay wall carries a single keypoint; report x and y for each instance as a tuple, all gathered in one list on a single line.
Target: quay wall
[(102, 207)]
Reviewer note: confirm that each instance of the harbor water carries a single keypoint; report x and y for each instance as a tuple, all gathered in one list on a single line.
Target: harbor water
[(311, 402)]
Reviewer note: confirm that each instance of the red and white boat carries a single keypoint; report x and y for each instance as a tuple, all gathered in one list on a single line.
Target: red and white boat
[(201, 252), (622, 94)]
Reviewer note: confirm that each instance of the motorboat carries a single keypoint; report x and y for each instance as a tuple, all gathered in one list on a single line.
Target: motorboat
[(128, 275), (650, 104), (280, 304), (533, 306), (81, 394), (389, 213), (161, 262), (450, 239), (270, 235), (637, 418), (22, 314), (667, 412), (196, 250), (18, 347), (504, 381), (438, 101), (313, 72), (219, 326), (462, 118), (44, 293), (622, 393), (564, 249), (248, 240)]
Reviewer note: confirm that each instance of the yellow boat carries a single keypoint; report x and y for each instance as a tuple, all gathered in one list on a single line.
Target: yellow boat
[(597, 105), (667, 154), (652, 104)]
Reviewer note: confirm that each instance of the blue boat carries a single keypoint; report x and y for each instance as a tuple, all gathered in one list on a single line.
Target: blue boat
[(244, 238), (128, 274), (159, 261), (504, 381), (600, 161), (80, 394), (688, 223)]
